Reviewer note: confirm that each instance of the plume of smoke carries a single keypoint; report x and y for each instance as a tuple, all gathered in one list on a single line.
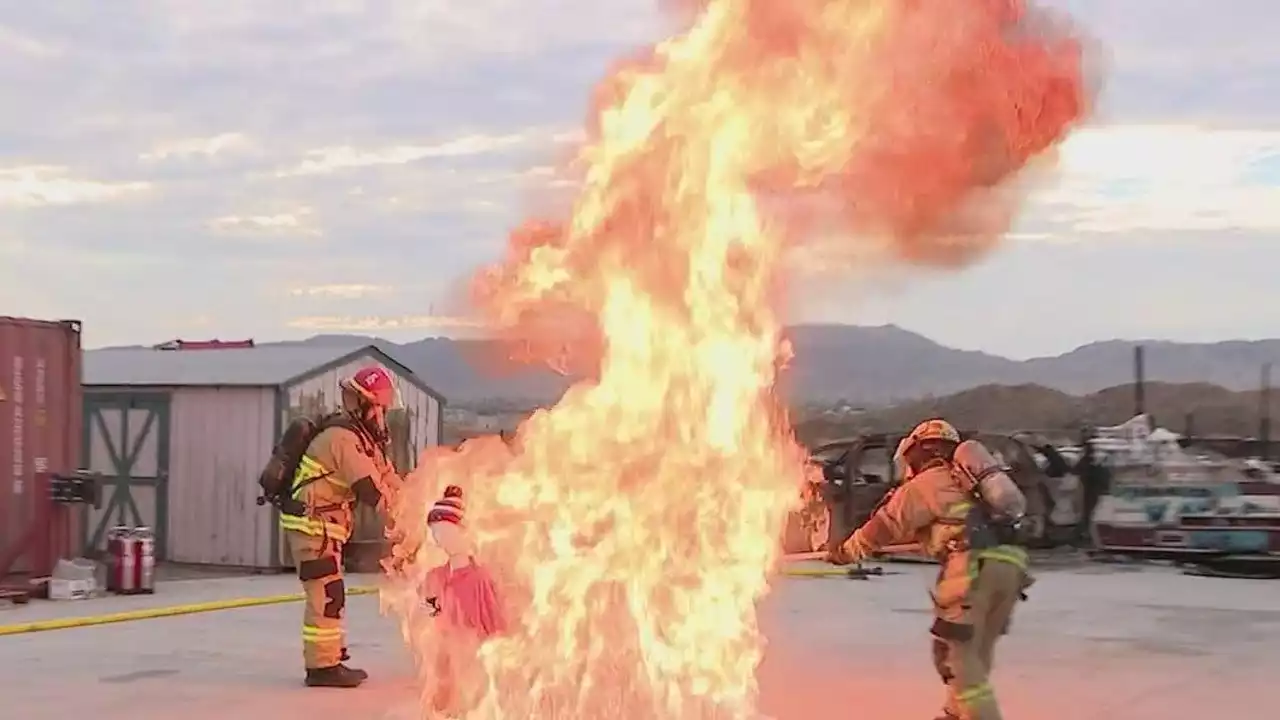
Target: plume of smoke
[(912, 141)]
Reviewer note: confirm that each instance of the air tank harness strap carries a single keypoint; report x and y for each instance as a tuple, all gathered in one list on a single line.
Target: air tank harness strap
[(298, 508), (1011, 554)]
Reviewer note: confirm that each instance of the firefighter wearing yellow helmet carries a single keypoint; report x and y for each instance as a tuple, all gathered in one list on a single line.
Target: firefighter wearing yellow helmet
[(962, 507)]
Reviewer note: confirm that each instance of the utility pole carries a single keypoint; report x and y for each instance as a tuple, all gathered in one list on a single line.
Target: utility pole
[(1139, 380), (1264, 413)]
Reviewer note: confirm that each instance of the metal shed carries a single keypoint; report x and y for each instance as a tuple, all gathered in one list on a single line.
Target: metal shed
[(181, 435)]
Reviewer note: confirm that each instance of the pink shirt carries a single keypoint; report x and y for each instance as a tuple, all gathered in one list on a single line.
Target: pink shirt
[(467, 597)]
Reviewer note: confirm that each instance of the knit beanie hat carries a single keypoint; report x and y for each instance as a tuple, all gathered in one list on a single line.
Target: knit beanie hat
[(448, 508)]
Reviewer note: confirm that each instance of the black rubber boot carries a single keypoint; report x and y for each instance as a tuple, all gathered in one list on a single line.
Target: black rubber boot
[(337, 676), (346, 658)]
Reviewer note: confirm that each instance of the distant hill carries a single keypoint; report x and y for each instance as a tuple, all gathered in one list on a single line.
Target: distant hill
[(1194, 408), (870, 366)]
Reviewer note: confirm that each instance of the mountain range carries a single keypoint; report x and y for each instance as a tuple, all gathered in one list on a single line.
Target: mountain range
[(865, 366)]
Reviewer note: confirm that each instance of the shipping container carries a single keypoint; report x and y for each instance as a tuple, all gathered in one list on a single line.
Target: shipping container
[(40, 415)]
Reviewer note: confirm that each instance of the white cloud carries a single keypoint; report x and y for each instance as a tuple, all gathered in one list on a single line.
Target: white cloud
[(342, 291), (41, 185), (332, 323), (322, 161), (299, 222), (206, 147), (11, 246), (1029, 237), (482, 27), (1121, 179), (23, 44)]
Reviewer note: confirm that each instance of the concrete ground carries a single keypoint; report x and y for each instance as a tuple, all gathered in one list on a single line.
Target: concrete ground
[(1093, 643)]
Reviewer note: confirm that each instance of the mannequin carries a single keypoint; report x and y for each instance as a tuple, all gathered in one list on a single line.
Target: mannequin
[(462, 596), (453, 540)]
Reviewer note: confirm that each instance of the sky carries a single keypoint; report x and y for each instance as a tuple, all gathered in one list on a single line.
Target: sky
[(272, 169)]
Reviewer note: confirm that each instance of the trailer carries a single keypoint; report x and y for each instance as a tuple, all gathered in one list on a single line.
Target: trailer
[(1185, 504)]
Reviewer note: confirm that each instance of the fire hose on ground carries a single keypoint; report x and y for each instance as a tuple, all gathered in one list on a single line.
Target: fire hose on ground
[(159, 612), (856, 571)]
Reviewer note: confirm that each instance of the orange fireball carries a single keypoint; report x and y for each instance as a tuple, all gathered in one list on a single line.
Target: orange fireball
[(634, 526)]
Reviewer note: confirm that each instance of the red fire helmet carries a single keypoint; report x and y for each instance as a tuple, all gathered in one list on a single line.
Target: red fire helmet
[(373, 384)]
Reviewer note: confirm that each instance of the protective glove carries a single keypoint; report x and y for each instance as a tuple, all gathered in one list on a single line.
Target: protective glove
[(849, 552), (842, 554), (839, 556)]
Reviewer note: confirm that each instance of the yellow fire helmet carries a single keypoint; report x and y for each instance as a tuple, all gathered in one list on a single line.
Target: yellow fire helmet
[(933, 429)]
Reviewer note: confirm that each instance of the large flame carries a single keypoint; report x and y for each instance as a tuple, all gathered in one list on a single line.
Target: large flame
[(634, 526)]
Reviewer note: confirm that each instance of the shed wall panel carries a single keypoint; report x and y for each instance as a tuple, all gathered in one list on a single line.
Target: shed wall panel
[(434, 433), (221, 438), (425, 411)]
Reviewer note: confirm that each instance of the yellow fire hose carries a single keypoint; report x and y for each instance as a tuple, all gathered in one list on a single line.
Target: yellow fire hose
[(167, 611), (855, 572), (852, 572)]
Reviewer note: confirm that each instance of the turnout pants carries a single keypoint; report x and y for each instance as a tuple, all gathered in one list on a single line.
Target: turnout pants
[(319, 563), (965, 663)]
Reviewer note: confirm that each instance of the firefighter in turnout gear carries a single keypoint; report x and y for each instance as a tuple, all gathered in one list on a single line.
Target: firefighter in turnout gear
[(961, 506), (344, 463)]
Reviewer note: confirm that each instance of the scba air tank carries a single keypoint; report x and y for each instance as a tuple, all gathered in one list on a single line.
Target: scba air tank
[(991, 481)]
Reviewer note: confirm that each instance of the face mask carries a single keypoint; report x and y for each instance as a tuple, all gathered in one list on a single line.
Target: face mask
[(375, 420)]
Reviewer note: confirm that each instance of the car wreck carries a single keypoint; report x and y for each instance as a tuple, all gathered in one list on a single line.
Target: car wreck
[(854, 474)]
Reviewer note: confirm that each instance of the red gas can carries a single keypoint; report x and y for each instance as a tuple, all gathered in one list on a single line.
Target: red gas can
[(131, 560)]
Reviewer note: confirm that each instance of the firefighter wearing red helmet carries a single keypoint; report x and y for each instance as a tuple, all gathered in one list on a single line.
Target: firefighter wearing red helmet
[(344, 463)]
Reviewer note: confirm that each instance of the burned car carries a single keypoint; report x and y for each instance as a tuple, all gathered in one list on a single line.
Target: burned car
[(857, 472)]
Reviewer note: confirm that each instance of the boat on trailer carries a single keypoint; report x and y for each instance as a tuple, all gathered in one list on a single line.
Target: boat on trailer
[(1167, 502)]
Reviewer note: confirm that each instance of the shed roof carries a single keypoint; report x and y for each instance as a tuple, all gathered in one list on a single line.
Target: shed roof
[(261, 366)]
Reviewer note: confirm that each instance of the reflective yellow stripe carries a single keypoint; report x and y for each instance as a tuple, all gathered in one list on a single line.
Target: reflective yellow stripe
[(959, 509), (308, 469), (314, 526), (977, 692), (301, 524), (1011, 554), (311, 633)]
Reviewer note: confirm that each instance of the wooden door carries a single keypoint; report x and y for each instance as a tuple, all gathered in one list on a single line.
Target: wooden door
[(126, 439)]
